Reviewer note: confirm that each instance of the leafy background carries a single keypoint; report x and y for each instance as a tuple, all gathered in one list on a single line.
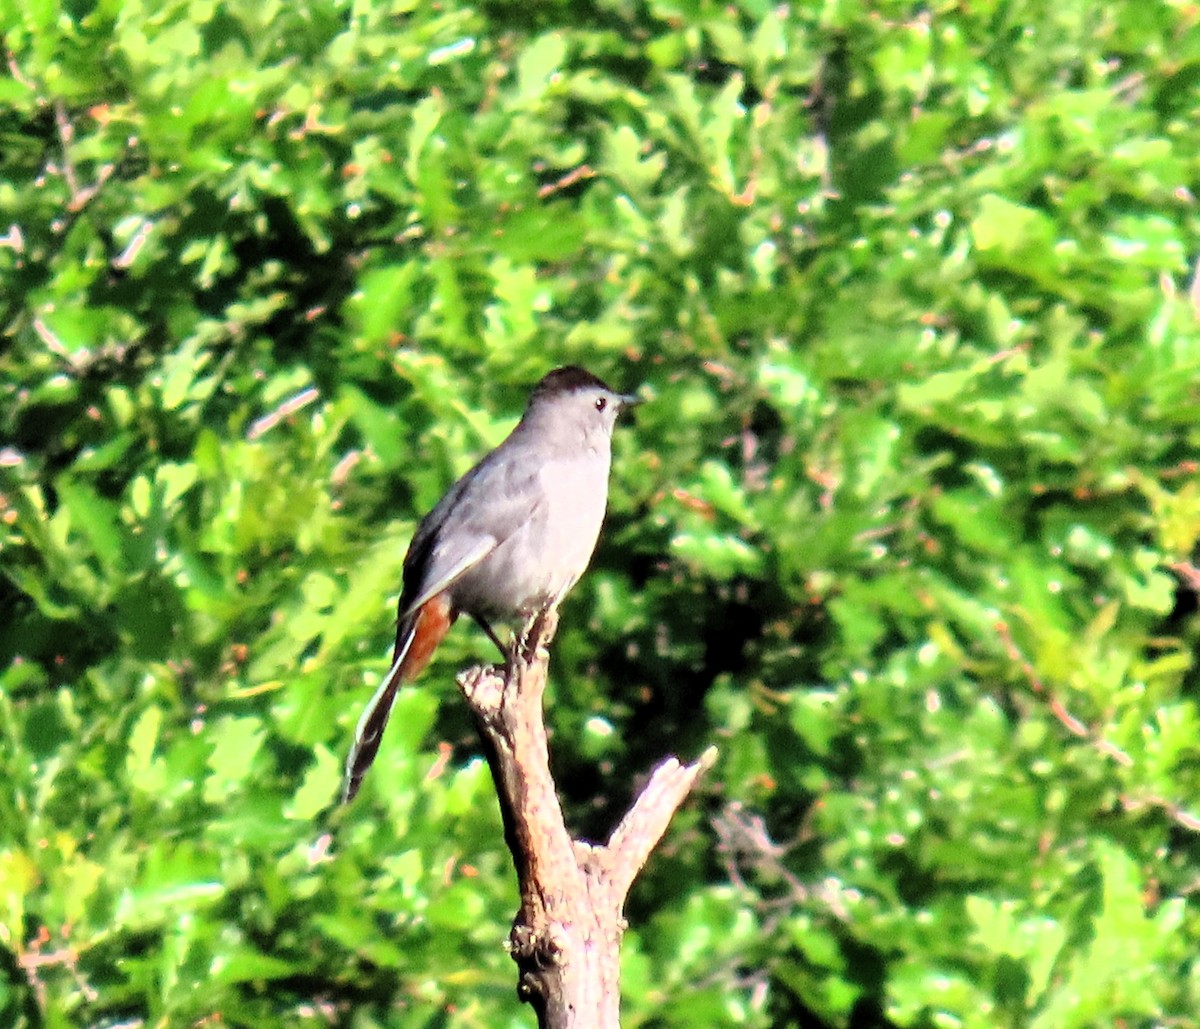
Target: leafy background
[(907, 529)]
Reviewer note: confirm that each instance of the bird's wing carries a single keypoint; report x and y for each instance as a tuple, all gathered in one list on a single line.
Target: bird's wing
[(447, 565), (479, 512)]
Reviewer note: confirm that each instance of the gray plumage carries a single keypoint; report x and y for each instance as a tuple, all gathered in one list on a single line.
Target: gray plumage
[(511, 537)]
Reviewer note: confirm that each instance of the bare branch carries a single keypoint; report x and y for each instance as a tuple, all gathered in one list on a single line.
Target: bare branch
[(66, 134), (567, 934), (643, 826)]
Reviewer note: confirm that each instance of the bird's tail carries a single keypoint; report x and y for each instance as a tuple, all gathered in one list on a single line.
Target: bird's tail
[(417, 639)]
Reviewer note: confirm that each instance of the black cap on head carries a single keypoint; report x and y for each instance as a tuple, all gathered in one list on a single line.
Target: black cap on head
[(567, 380)]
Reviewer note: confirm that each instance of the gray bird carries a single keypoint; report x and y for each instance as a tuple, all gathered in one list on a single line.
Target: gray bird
[(508, 540)]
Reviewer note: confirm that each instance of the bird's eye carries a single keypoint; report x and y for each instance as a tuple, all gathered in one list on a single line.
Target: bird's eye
[(601, 403)]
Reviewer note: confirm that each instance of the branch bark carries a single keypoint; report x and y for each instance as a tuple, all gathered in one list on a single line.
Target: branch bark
[(567, 934)]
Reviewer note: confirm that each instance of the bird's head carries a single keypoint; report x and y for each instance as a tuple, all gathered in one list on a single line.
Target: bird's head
[(571, 401)]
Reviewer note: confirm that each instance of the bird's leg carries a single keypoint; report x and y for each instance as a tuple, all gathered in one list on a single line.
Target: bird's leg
[(482, 623), (539, 631)]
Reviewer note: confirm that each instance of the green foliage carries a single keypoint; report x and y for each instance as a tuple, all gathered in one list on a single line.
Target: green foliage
[(908, 530)]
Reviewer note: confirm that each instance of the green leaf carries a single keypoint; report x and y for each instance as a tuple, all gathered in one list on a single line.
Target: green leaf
[(235, 745), (147, 773), (539, 64), (318, 787), (1004, 232)]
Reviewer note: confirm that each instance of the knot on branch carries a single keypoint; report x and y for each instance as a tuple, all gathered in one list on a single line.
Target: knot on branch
[(539, 957), (534, 950)]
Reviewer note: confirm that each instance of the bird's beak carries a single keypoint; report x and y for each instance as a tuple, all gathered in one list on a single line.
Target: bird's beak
[(630, 400)]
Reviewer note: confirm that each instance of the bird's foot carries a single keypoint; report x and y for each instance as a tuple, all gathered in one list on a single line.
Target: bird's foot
[(535, 635)]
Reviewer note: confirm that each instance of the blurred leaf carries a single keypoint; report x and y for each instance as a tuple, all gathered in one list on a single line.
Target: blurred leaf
[(236, 743)]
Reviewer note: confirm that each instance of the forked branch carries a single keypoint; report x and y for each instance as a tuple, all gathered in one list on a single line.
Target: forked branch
[(567, 934)]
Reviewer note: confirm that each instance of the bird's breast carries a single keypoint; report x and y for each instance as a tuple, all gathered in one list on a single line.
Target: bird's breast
[(547, 554), (576, 494)]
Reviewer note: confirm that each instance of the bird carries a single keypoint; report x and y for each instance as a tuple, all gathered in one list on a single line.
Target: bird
[(507, 541)]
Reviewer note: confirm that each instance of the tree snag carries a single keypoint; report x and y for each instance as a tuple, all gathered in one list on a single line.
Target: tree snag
[(567, 934)]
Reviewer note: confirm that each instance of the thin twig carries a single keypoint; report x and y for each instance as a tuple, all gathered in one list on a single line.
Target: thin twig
[(288, 407)]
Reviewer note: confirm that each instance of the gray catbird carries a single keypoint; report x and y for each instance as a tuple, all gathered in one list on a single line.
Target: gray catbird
[(509, 539)]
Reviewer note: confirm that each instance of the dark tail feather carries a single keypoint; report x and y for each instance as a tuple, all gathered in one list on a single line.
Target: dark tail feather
[(374, 719), (418, 637)]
